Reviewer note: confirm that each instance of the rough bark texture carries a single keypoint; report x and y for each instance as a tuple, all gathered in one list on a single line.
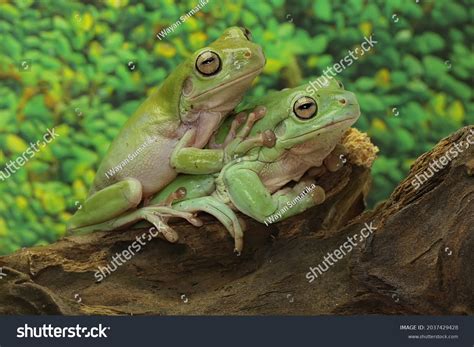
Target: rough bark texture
[(418, 261)]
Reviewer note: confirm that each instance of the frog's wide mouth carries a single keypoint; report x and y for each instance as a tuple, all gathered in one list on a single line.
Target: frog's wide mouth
[(256, 71), (328, 127)]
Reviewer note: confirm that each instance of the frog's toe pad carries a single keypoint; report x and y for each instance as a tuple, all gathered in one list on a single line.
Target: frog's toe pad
[(195, 221), (169, 233), (334, 162), (260, 111), (319, 195), (268, 138)]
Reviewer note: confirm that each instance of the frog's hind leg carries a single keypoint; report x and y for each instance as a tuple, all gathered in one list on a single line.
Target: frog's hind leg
[(220, 211), (156, 215), (195, 186), (184, 187), (107, 203), (113, 208)]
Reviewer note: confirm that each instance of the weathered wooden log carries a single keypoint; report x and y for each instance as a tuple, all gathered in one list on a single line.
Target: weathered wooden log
[(419, 259)]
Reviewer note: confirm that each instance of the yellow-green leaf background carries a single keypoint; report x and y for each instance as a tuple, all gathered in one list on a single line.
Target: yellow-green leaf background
[(77, 80)]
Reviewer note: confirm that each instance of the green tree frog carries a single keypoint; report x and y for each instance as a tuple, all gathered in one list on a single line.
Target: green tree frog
[(168, 131), (307, 126)]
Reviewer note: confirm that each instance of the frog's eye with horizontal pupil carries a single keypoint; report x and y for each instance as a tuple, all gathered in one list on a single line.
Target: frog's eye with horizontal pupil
[(208, 63), (305, 107)]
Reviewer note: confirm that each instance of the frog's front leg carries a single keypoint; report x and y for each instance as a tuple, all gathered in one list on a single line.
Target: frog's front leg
[(266, 138), (254, 116), (191, 160), (198, 188), (196, 161), (243, 144), (236, 135), (336, 159), (332, 163), (250, 196), (237, 122)]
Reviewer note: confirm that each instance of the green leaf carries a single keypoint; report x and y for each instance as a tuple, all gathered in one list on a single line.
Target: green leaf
[(322, 9)]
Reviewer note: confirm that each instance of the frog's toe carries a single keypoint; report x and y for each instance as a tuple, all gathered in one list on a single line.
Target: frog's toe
[(333, 163), (168, 233), (178, 194), (195, 221), (336, 159), (239, 119), (319, 195), (257, 114), (260, 111), (268, 138), (238, 244)]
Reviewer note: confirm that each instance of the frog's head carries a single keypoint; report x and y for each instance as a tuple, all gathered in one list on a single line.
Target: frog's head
[(216, 77), (309, 114)]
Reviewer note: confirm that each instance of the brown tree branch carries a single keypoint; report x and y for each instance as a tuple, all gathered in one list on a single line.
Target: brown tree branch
[(418, 260)]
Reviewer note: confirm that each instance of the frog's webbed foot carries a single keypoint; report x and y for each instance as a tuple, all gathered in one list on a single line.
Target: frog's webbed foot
[(241, 143), (254, 116), (238, 120), (159, 216), (220, 211), (336, 159), (265, 139), (156, 215), (332, 163)]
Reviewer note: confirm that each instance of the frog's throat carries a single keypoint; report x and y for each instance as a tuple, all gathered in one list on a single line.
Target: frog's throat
[(228, 84)]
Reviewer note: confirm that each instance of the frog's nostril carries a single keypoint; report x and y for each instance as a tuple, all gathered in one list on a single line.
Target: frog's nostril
[(247, 54), (342, 101)]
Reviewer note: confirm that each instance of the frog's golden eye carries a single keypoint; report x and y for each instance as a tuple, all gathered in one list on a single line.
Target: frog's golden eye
[(208, 63), (305, 107), (247, 33)]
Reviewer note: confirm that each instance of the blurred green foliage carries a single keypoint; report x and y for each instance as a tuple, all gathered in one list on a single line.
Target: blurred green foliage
[(83, 68)]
